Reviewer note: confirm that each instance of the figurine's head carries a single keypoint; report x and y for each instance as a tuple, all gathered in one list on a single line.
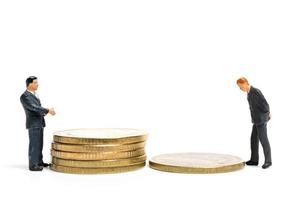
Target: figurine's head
[(243, 84), (32, 83)]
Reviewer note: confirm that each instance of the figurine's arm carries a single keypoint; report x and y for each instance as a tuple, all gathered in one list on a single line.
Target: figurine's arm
[(262, 102), (32, 106)]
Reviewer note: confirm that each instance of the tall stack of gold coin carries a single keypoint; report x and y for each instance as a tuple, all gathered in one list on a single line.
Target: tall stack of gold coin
[(98, 151)]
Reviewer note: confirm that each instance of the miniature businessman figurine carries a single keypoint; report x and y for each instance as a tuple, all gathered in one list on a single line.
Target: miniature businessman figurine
[(260, 114), (35, 123)]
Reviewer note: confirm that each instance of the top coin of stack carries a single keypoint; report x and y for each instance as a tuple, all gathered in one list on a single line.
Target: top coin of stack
[(196, 163), (90, 151)]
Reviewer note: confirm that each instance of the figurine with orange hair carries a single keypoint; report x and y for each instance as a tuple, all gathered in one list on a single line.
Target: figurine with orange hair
[(260, 115)]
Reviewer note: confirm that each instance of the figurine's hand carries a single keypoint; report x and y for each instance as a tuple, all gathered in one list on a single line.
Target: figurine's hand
[(52, 111)]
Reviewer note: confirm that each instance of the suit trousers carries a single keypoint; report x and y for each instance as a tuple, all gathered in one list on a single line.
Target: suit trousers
[(259, 133), (35, 152)]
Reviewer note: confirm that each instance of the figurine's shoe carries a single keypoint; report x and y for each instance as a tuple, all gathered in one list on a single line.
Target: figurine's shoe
[(44, 165), (35, 168), (267, 165), (252, 163)]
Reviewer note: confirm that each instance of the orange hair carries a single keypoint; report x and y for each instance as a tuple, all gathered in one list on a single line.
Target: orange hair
[(242, 80)]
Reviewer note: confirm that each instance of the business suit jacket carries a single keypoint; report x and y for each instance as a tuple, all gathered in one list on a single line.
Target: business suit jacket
[(259, 107), (34, 111)]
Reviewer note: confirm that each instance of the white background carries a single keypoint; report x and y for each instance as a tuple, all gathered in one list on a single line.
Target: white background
[(168, 67)]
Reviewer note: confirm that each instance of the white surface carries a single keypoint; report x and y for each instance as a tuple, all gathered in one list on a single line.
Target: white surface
[(101, 133), (168, 67)]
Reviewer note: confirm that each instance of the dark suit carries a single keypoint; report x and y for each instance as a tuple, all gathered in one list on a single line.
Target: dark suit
[(260, 115), (35, 124)]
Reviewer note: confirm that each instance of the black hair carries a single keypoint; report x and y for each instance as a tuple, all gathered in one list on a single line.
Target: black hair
[(30, 79)]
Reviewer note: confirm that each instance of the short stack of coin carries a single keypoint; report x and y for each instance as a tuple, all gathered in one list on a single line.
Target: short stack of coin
[(98, 151)]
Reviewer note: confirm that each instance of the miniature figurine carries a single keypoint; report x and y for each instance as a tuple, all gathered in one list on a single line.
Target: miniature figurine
[(260, 114), (35, 123)]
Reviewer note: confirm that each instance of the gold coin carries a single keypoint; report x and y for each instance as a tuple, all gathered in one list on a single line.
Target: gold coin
[(196, 163), (97, 148), (97, 155), (109, 170), (100, 136), (99, 164)]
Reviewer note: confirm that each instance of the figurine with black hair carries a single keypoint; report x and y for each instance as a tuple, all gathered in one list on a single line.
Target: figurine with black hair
[(35, 123)]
